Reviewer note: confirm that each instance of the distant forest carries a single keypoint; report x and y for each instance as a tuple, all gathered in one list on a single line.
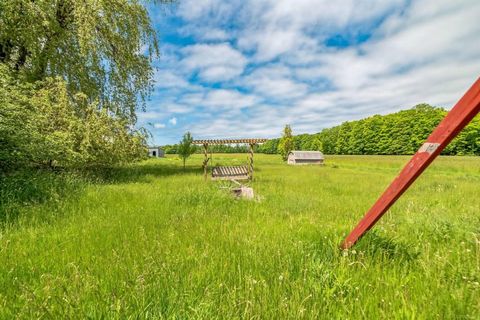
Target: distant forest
[(399, 133)]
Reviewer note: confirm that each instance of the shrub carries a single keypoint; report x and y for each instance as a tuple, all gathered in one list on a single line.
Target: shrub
[(42, 125)]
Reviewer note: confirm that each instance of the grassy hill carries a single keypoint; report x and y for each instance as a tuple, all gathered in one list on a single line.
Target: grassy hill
[(158, 242)]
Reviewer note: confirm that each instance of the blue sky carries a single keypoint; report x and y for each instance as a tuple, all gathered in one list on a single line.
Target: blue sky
[(245, 68)]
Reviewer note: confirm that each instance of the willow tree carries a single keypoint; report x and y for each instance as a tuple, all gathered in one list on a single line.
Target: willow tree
[(102, 48)]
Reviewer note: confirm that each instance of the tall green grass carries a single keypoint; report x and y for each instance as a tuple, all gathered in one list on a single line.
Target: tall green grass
[(22, 189), (154, 241)]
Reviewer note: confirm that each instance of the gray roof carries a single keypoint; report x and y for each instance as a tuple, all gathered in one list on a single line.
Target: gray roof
[(314, 155)]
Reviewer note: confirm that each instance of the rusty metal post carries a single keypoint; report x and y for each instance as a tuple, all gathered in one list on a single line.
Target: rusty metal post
[(460, 115)]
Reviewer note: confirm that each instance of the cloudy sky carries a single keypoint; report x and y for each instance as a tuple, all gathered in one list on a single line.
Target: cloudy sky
[(245, 68)]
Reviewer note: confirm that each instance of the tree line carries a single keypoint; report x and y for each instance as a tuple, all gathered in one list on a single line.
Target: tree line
[(221, 148), (400, 133)]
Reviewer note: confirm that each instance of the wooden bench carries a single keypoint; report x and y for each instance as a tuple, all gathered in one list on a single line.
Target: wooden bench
[(231, 173)]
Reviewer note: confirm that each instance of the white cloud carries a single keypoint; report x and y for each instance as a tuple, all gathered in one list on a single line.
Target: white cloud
[(168, 79), (173, 121), (159, 125), (214, 62), (274, 82), (271, 43), (283, 27), (212, 34), (276, 63), (192, 10), (205, 33), (219, 99), (404, 56), (177, 108), (149, 115), (228, 99)]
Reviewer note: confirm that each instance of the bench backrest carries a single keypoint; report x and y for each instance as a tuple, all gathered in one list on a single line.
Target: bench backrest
[(230, 172)]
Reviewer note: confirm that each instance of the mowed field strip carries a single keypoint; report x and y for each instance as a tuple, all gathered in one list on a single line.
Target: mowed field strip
[(157, 241)]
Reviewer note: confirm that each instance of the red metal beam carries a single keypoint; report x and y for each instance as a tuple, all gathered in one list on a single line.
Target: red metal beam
[(460, 115)]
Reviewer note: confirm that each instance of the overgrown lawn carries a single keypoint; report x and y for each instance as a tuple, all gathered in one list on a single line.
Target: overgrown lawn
[(155, 241)]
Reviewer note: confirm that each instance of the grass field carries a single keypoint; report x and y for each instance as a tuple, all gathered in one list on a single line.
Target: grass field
[(157, 242)]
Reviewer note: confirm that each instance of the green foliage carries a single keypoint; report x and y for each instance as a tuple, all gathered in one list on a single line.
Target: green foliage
[(226, 148), (398, 133), (102, 48), (218, 148), (468, 140), (170, 148), (286, 143), (29, 186), (41, 124), (269, 147), (72, 75), (186, 148)]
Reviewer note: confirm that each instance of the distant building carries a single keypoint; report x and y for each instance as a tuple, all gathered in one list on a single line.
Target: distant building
[(305, 157), (156, 152)]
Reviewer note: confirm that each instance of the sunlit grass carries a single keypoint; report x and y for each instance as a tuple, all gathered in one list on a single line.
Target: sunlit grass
[(155, 241)]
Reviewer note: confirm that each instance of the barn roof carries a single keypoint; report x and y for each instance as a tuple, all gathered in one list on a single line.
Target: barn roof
[(314, 155)]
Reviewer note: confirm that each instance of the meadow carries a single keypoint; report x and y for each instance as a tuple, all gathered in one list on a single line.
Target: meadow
[(152, 240)]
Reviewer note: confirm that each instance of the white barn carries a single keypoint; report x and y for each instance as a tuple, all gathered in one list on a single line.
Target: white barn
[(156, 152), (305, 157)]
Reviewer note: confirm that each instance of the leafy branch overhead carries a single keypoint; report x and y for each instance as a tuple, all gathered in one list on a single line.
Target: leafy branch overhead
[(102, 48), (72, 76)]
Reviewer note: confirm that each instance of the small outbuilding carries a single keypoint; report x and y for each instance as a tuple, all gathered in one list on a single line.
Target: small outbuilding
[(305, 157), (156, 152)]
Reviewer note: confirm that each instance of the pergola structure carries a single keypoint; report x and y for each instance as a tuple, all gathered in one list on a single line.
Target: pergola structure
[(229, 171)]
